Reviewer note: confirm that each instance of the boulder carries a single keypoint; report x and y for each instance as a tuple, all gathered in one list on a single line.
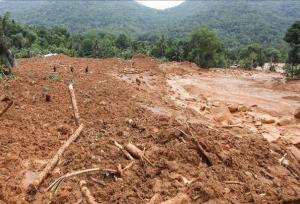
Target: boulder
[(233, 108), (242, 108), (222, 115), (284, 121), (297, 113)]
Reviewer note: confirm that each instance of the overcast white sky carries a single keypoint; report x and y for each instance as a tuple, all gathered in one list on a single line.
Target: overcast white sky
[(160, 4)]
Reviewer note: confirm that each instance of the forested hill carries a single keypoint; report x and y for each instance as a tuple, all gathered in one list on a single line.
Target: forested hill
[(237, 22)]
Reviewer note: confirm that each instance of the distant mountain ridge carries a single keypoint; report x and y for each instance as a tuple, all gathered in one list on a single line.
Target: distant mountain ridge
[(237, 22)]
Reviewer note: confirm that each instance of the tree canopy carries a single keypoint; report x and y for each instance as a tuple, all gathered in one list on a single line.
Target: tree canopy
[(204, 46)]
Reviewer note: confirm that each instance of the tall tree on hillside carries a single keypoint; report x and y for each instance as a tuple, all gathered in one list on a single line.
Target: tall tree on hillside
[(122, 42), (293, 38), (206, 48), (252, 55), (273, 55), (7, 60), (160, 47)]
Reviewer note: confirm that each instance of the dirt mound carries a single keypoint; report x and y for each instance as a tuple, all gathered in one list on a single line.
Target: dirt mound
[(113, 105)]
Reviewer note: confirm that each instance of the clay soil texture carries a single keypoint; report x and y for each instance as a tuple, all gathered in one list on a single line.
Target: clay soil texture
[(141, 101)]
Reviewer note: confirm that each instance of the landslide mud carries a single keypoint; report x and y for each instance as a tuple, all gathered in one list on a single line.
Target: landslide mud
[(135, 102)]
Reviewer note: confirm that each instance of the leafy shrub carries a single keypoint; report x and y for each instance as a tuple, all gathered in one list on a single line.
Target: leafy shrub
[(291, 71)]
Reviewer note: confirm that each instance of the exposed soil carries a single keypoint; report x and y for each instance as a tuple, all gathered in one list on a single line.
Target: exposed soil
[(159, 108)]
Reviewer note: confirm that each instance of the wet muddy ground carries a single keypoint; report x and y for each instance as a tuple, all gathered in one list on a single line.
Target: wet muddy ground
[(162, 109)]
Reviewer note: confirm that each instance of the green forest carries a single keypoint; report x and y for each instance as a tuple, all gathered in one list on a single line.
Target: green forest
[(203, 45)]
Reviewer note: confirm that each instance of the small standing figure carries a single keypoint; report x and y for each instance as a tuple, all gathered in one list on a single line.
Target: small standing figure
[(72, 69), (87, 69), (54, 68)]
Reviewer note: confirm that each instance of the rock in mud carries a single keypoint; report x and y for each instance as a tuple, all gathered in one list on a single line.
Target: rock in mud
[(297, 113), (267, 119), (222, 115), (171, 165), (258, 123), (242, 108), (138, 81), (284, 121), (233, 108)]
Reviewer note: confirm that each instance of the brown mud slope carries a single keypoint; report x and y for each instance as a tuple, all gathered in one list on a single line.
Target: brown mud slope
[(138, 104)]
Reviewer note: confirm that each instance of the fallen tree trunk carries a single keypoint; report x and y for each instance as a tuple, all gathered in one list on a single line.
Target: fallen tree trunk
[(33, 187), (74, 104), (86, 192)]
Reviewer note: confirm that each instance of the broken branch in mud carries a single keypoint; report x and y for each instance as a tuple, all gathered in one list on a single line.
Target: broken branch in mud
[(201, 151), (54, 186), (122, 170), (9, 104), (234, 182), (123, 150), (232, 126), (74, 104), (32, 188), (136, 152), (87, 193), (98, 181)]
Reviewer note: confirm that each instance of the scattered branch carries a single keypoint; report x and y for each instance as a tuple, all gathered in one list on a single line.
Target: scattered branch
[(87, 193), (119, 172), (232, 126), (32, 188), (234, 182), (9, 104), (74, 104), (54, 186), (201, 151)]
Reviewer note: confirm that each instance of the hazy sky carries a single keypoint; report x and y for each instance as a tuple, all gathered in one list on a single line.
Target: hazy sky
[(160, 4)]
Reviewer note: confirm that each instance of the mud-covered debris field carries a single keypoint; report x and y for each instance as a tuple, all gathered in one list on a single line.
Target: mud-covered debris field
[(205, 136)]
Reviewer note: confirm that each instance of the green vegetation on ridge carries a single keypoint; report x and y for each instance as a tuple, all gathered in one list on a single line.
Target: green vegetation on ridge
[(203, 45), (238, 23)]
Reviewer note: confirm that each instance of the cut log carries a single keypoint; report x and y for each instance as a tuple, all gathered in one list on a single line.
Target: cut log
[(123, 150), (33, 187), (87, 193), (137, 153), (134, 151), (74, 104)]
